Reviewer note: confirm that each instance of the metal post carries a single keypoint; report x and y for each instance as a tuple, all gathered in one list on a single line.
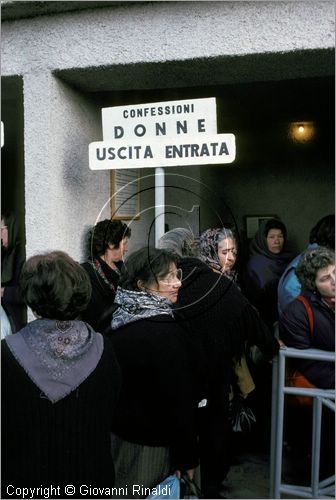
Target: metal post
[(274, 421), (316, 446), (159, 204), (279, 435), (325, 488)]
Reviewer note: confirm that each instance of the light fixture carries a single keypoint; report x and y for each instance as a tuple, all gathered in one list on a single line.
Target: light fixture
[(302, 132)]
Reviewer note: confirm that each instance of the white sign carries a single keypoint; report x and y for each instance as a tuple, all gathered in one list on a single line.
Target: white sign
[(161, 134), (160, 119), (163, 152)]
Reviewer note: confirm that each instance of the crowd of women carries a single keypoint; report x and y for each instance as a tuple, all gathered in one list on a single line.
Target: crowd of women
[(130, 370)]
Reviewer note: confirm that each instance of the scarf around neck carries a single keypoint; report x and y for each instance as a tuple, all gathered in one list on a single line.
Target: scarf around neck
[(135, 305), (57, 355)]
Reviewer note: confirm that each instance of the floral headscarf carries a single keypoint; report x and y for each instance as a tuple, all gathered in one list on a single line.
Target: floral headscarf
[(135, 305), (208, 244), (57, 355)]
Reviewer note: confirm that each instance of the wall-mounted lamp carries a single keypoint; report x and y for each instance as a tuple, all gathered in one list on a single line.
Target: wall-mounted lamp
[(301, 131)]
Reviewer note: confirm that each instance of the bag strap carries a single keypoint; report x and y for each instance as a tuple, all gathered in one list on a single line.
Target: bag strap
[(310, 314)]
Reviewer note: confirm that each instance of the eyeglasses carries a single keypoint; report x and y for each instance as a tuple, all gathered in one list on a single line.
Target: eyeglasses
[(171, 277)]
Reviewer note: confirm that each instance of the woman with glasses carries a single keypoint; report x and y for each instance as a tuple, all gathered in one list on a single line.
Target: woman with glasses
[(154, 426)]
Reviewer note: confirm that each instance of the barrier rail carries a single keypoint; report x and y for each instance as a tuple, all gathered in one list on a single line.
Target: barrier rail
[(317, 489)]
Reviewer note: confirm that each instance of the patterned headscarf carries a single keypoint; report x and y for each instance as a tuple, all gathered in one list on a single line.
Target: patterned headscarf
[(57, 355), (208, 244), (135, 305)]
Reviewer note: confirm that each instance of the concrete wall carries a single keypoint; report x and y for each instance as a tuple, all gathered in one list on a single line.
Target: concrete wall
[(111, 49), (62, 195), (161, 31)]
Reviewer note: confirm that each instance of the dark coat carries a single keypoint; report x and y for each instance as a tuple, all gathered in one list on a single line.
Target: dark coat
[(223, 320), (67, 442), (219, 314), (263, 272), (295, 332), (100, 308), (157, 406), (260, 284)]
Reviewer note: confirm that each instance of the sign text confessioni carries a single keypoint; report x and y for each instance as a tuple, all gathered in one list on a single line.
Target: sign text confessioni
[(161, 134)]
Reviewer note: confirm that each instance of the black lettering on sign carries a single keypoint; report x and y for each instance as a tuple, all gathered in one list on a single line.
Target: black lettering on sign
[(161, 128), (124, 153), (120, 150), (201, 125), (205, 150), (101, 154), (168, 150), (182, 126), (186, 149), (118, 132), (137, 151), (214, 145), (148, 152), (194, 149), (223, 149), (140, 130)]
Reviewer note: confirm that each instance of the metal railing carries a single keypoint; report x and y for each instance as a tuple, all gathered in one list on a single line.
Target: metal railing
[(317, 489)]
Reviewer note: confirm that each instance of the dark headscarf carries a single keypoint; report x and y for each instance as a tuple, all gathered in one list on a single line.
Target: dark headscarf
[(258, 245)]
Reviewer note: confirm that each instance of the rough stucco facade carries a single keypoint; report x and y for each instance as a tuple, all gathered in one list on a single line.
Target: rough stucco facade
[(62, 57)]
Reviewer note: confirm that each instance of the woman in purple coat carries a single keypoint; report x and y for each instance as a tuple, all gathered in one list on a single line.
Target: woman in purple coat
[(268, 260)]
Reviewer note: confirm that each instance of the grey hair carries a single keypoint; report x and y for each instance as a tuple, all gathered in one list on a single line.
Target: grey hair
[(224, 234), (180, 241)]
